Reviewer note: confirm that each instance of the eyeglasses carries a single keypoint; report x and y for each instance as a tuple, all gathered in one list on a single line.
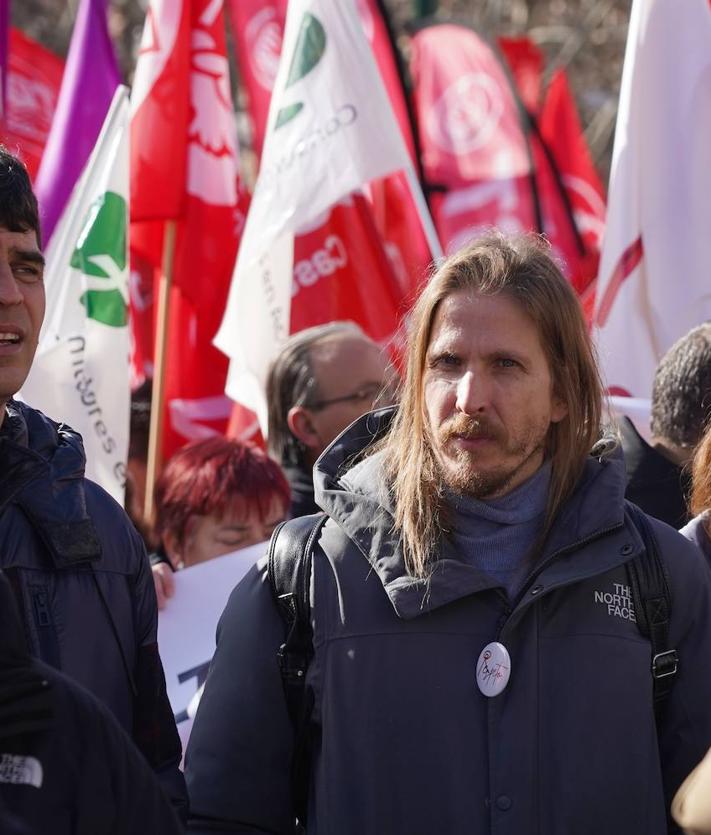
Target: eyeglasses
[(368, 393)]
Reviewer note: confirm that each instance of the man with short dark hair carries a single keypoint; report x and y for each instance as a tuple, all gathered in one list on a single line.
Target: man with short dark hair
[(476, 662), (76, 564), (322, 380), (657, 474)]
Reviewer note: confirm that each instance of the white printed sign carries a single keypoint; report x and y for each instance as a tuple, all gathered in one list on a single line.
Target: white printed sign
[(186, 627)]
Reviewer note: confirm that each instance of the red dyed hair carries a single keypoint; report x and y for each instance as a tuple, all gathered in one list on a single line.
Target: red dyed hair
[(206, 477)]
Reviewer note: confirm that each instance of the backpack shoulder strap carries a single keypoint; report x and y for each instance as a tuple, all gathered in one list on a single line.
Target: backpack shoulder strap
[(653, 604), (289, 572)]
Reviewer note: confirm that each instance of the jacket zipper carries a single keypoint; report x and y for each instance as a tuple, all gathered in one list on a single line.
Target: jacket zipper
[(512, 608)]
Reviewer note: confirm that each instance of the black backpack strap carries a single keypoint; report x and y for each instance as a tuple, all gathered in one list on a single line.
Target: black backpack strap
[(652, 604), (289, 572)]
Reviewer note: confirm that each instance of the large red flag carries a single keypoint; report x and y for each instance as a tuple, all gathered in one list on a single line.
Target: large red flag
[(34, 78), (474, 152), (495, 156), (196, 157)]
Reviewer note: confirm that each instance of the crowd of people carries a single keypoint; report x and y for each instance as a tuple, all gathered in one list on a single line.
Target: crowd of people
[(481, 616)]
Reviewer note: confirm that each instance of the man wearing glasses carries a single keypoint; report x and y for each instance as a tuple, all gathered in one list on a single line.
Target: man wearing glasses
[(324, 378)]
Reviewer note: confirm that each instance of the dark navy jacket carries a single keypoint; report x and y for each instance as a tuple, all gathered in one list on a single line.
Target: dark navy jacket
[(403, 740), (66, 767), (81, 576)]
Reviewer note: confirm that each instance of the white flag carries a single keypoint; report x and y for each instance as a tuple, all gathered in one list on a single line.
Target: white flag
[(80, 374), (330, 129), (655, 273)]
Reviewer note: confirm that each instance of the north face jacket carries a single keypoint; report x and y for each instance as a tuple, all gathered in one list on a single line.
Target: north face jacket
[(83, 583), (66, 767), (403, 740)]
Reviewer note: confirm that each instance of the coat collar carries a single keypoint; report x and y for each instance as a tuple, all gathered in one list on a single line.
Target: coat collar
[(349, 486), (43, 473)]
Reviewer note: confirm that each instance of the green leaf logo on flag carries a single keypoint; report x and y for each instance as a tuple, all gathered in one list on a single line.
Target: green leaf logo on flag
[(310, 46), (101, 253)]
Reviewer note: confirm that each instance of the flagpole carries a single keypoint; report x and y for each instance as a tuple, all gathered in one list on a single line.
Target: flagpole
[(424, 215), (155, 438)]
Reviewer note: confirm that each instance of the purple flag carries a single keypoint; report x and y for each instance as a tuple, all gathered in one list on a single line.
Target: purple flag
[(90, 79), (4, 51)]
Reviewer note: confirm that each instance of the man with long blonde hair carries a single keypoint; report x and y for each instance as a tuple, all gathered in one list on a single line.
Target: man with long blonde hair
[(476, 664)]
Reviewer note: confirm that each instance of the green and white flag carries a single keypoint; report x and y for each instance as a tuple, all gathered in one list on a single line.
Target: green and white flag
[(330, 130), (80, 375)]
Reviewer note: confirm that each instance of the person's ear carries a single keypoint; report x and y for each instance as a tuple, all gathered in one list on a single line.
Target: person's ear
[(301, 425), (559, 410), (173, 548)]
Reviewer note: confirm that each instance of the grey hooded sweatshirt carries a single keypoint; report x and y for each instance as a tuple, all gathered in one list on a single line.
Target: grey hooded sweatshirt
[(403, 740)]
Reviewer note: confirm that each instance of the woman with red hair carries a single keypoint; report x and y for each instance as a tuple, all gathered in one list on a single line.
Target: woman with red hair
[(214, 497)]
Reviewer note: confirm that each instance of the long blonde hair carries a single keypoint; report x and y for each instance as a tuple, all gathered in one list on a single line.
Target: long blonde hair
[(523, 269)]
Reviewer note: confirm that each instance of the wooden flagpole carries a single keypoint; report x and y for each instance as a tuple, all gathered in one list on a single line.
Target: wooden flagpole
[(155, 438)]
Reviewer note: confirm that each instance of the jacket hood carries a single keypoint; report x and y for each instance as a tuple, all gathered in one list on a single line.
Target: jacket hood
[(43, 472), (350, 487)]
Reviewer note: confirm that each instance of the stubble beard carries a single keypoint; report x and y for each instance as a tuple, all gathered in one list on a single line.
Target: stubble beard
[(463, 475), (461, 469)]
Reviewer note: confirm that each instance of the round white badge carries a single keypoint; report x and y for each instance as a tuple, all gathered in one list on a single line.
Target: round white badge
[(493, 669)]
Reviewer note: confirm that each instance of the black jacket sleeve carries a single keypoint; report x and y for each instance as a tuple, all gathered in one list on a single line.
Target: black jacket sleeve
[(238, 760), (154, 730)]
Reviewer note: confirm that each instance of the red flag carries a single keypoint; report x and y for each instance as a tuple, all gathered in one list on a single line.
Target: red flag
[(160, 109), (394, 210), (341, 272), (576, 174), (487, 167), (197, 155), (34, 78), (474, 152), (468, 121), (526, 63), (257, 29)]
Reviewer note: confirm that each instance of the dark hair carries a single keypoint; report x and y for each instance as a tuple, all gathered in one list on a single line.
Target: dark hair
[(207, 477), (291, 382), (18, 204), (522, 269), (681, 394)]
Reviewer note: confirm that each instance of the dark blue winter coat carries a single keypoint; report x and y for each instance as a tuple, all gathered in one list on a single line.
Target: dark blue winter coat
[(403, 740), (66, 767), (83, 583)]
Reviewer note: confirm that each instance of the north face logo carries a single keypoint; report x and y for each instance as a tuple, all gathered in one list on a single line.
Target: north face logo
[(618, 601), (101, 254), (21, 770)]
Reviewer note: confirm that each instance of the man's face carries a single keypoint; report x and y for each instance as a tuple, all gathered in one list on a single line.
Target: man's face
[(350, 367), (488, 394), (21, 307)]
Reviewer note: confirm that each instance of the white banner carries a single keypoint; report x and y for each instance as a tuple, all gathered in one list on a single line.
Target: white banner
[(80, 374), (654, 284), (186, 627)]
